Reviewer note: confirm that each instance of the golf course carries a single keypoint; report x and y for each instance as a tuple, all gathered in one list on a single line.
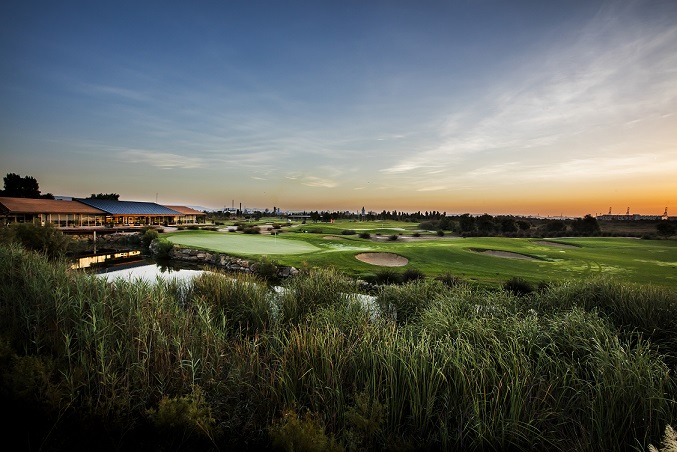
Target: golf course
[(485, 260)]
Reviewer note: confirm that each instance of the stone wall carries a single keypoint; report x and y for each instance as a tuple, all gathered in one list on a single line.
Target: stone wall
[(224, 261)]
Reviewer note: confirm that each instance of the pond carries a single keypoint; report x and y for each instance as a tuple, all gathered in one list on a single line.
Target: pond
[(148, 270), (132, 265)]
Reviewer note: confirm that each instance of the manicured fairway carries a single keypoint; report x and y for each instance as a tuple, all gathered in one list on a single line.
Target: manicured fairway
[(240, 244), (632, 260)]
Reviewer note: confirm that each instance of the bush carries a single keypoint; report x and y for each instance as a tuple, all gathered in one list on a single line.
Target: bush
[(267, 269), (449, 280), (393, 237), (412, 274), (387, 276), (416, 234), (301, 433), (440, 233), (348, 232), (161, 248), (148, 236), (365, 235), (44, 239), (518, 286), (251, 230), (186, 416)]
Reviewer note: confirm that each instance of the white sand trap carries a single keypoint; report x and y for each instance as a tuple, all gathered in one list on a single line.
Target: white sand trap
[(556, 244), (506, 254), (383, 259)]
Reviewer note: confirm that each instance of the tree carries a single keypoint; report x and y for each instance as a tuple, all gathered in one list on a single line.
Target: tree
[(666, 228), (21, 187), (555, 226), (508, 225), (466, 223), (523, 225), (586, 225), (485, 224), (113, 196)]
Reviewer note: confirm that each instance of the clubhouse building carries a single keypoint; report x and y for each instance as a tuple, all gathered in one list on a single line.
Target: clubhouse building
[(79, 212)]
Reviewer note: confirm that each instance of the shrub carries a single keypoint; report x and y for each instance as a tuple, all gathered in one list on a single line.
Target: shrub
[(44, 239), (416, 234), (393, 237), (518, 286), (189, 414), (365, 235), (348, 232), (251, 230), (387, 276), (148, 236), (449, 280), (267, 269), (440, 233), (412, 274), (305, 433), (193, 227), (161, 248)]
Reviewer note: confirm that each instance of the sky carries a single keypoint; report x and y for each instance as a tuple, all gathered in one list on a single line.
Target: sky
[(481, 106)]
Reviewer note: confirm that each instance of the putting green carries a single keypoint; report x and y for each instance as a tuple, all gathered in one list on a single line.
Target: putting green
[(233, 243)]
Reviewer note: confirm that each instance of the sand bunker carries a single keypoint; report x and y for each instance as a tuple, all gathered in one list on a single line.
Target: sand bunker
[(505, 254), (383, 259), (556, 244)]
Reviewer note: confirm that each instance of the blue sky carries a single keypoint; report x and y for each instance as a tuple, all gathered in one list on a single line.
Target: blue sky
[(526, 107)]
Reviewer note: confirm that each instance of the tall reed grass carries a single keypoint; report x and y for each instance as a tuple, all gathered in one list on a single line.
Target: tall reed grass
[(224, 360)]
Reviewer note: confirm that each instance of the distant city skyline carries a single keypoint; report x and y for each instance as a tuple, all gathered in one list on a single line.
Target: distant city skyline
[(521, 107)]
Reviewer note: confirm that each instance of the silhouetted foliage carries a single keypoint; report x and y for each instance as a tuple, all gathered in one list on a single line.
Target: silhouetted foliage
[(112, 196), (555, 226), (666, 228), (22, 187), (586, 225)]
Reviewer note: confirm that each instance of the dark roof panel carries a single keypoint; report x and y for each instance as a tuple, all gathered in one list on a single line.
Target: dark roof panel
[(113, 207)]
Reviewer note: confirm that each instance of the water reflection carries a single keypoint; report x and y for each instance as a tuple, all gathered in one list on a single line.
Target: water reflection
[(106, 259), (149, 272)]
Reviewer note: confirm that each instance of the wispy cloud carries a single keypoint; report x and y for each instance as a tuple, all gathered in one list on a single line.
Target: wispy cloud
[(162, 160), (114, 91), (581, 89), (314, 181)]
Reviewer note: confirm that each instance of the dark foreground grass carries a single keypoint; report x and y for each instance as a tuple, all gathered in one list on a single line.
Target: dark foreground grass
[(226, 363)]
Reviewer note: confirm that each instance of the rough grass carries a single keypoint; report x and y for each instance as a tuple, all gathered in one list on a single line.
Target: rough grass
[(228, 363)]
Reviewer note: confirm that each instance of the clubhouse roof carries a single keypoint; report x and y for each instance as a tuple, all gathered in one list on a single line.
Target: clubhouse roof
[(93, 212)]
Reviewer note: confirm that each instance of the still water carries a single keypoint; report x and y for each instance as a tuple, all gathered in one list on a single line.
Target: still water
[(133, 265), (148, 272)]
